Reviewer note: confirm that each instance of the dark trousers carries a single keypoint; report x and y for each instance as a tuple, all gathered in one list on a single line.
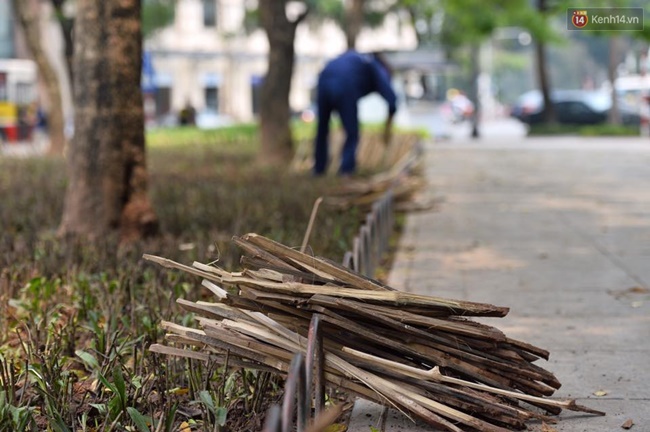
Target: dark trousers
[(332, 96)]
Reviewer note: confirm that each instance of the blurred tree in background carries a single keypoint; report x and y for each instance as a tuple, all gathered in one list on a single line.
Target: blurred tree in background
[(28, 15), (460, 27), (275, 113), (156, 14), (66, 22)]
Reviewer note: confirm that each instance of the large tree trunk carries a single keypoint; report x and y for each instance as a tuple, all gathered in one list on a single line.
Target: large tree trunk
[(107, 189), (548, 113), (354, 22), (275, 115), (25, 12)]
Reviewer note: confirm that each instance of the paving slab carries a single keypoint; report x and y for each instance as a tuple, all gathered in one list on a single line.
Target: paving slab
[(585, 372), (367, 415), (559, 231), (580, 333), (618, 412)]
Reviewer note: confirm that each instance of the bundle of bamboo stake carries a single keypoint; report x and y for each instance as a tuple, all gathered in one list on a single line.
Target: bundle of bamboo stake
[(403, 178), (372, 152), (420, 354)]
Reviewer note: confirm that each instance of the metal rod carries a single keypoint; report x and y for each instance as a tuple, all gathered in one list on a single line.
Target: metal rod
[(273, 419), (314, 371), (294, 388)]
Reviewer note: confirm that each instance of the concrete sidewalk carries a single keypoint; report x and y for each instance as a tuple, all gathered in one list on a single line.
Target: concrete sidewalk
[(558, 229)]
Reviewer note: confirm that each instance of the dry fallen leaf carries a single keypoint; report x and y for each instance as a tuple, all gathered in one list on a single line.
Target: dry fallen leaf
[(600, 393), (184, 427), (628, 424), (547, 428), (638, 290), (336, 427), (186, 246)]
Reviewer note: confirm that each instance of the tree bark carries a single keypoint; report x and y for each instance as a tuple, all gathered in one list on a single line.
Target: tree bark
[(475, 52), (354, 21), (275, 115), (614, 116), (29, 22), (67, 26), (107, 189), (548, 113)]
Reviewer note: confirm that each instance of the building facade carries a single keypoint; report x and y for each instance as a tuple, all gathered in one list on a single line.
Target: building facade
[(207, 59)]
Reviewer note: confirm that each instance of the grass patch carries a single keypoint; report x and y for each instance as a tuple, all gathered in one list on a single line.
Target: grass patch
[(186, 136), (583, 130), (76, 319)]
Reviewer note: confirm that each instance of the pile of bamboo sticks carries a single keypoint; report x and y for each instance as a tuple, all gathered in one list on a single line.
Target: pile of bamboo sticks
[(403, 177), (420, 354), (373, 154)]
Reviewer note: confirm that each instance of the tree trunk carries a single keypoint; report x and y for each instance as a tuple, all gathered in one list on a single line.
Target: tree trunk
[(107, 189), (475, 60), (275, 115), (354, 21), (29, 21), (67, 25), (614, 116), (548, 113)]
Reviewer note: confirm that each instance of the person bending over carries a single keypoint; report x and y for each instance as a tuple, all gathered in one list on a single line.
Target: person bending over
[(341, 83)]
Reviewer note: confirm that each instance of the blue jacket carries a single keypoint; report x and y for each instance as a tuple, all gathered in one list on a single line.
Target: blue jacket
[(359, 75)]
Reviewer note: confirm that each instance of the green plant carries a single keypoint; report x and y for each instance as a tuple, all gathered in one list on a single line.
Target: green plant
[(16, 417), (72, 311), (583, 130)]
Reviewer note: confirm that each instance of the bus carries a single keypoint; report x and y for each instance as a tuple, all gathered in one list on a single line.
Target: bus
[(18, 81)]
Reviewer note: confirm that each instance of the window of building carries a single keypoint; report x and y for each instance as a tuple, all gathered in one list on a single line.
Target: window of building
[(209, 13), (3, 87), (212, 98), (24, 93), (256, 89), (6, 30), (163, 100)]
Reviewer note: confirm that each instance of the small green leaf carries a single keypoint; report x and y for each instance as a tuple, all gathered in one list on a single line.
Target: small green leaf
[(114, 407), (107, 384), (136, 381), (101, 408), (141, 421), (169, 419), (88, 359), (207, 400), (221, 416), (120, 385)]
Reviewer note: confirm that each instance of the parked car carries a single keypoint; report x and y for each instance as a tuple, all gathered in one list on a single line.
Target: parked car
[(573, 107)]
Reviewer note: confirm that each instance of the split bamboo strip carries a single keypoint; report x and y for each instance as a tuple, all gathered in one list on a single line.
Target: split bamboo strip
[(437, 324), (339, 273), (395, 298)]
